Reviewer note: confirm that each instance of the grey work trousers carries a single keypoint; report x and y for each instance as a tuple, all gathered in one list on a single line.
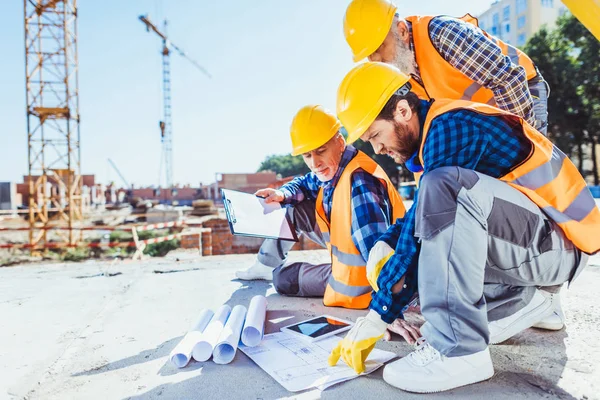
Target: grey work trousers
[(485, 247), (297, 279), (540, 91)]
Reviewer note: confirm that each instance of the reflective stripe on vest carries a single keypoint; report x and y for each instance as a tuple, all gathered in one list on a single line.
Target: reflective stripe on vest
[(442, 80), (348, 285), (548, 177), (349, 291), (354, 260)]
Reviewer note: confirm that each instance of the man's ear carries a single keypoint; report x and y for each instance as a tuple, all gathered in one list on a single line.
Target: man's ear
[(402, 29), (402, 113)]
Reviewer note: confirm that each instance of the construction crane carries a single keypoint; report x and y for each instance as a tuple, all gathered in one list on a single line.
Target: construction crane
[(127, 186), (166, 131)]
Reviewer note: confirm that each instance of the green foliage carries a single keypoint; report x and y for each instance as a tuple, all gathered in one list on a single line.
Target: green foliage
[(76, 254), (153, 249), (284, 165), (569, 59), (161, 249), (120, 236)]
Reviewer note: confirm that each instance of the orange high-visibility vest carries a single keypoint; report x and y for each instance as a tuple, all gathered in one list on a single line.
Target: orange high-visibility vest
[(547, 177), (441, 80), (348, 285)]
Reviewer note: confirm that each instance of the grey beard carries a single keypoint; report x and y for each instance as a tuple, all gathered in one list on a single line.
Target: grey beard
[(405, 59)]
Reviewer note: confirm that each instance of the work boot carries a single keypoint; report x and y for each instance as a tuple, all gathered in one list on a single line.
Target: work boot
[(257, 271), (556, 320), (539, 308), (426, 370)]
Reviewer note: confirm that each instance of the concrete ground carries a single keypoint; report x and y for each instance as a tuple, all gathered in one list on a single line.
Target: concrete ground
[(104, 331)]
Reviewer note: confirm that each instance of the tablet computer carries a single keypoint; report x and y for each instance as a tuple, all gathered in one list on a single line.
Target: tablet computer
[(318, 328)]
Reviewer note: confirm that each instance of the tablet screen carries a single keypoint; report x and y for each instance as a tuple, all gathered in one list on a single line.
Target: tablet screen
[(317, 327)]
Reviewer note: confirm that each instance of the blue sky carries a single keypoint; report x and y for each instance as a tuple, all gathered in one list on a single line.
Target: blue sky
[(268, 58)]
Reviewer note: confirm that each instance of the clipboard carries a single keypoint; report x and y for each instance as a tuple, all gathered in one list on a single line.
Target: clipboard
[(249, 215)]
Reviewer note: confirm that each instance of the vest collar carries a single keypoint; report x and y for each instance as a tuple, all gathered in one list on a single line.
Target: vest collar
[(411, 43), (414, 164)]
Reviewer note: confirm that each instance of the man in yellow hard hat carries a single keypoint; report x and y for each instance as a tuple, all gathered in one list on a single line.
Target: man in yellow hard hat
[(501, 219), (448, 58), (344, 204)]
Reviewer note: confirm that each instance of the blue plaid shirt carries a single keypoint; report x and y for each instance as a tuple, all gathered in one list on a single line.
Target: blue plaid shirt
[(371, 209), (491, 145), (466, 48)]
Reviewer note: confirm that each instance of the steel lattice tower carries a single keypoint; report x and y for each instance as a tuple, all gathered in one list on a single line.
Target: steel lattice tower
[(53, 137), (166, 127)]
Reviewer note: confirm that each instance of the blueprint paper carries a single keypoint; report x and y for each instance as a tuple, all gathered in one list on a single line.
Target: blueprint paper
[(206, 343), (227, 344), (181, 354), (254, 326), (299, 365)]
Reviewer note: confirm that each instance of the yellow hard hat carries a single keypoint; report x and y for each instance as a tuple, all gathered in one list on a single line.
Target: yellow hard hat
[(366, 24), (364, 92), (311, 128)]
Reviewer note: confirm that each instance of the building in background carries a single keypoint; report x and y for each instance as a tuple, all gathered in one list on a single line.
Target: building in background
[(515, 21), (9, 198)]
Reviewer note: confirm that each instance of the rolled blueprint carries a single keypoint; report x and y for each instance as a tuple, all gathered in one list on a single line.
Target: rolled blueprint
[(254, 326), (204, 347), (230, 336), (181, 354)]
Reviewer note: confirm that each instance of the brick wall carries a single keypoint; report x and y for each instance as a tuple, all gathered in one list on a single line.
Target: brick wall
[(216, 239)]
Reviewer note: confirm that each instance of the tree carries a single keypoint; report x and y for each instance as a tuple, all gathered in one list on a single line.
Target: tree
[(569, 58), (284, 165), (287, 165)]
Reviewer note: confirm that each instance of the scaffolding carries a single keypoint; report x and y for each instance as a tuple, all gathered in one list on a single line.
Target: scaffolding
[(53, 137)]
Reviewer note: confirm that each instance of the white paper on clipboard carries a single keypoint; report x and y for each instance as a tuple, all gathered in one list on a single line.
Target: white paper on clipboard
[(249, 215)]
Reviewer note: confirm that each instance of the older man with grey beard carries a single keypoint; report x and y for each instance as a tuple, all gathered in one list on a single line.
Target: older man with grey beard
[(448, 58)]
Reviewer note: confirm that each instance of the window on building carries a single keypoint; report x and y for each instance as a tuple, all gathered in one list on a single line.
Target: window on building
[(482, 26), (521, 6), (506, 13), (494, 31), (507, 28), (521, 22), (496, 19), (548, 3), (521, 40)]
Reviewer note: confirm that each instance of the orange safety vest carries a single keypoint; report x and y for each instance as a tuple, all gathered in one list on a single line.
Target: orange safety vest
[(441, 80), (348, 285), (547, 177)]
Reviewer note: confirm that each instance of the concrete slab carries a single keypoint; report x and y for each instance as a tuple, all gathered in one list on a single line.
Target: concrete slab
[(83, 331)]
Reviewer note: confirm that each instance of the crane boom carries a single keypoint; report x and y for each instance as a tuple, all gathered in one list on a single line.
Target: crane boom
[(151, 27), (165, 124), (119, 173)]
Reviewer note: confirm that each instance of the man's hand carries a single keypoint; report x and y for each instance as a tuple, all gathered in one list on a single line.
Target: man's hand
[(358, 343), (378, 256), (271, 195), (408, 331)]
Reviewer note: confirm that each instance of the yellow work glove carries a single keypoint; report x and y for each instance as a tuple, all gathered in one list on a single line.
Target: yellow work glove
[(359, 342), (378, 256)]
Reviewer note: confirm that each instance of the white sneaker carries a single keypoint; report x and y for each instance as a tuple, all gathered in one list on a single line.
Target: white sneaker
[(255, 272), (556, 320), (426, 370), (537, 310)]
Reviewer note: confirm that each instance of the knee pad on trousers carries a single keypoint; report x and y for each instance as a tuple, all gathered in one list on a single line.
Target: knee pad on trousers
[(438, 192), (285, 280)]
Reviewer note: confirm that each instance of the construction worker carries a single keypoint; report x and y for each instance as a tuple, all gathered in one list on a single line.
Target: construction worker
[(366, 204), (448, 58), (501, 212)]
